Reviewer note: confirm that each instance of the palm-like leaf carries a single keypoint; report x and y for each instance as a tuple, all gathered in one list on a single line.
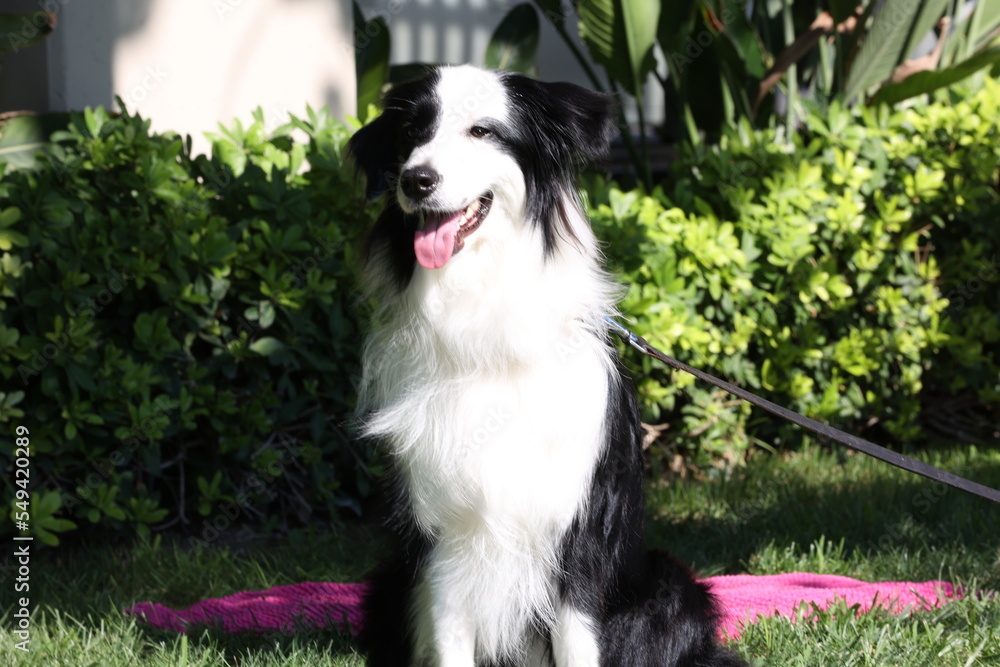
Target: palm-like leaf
[(620, 35), (882, 46), (19, 31), (930, 13), (371, 53), (515, 41), (927, 82), (971, 31)]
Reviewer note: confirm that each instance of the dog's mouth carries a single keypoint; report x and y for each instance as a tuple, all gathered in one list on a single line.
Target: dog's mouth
[(442, 233)]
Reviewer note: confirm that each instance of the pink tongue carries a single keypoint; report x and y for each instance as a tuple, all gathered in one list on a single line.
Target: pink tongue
[(435, 243)]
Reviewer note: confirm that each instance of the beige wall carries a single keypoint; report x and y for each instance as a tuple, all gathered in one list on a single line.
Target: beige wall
[(189, 64)]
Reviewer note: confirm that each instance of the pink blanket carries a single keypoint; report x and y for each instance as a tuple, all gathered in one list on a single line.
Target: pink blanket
[(744, 598)]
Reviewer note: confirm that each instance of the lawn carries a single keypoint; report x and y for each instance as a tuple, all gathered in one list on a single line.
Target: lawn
[(814, 511)]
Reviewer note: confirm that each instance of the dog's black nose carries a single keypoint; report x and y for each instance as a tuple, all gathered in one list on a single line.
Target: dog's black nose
[(418, 183)]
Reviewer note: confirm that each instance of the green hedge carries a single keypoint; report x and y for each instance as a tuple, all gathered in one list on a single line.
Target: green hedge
[(180, 333), (850, 275)]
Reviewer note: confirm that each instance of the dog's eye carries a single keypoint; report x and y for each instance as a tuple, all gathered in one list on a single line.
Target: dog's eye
[(478, 131)]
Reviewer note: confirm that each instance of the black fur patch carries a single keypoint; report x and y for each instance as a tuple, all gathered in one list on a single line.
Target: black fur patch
[(555, 130)]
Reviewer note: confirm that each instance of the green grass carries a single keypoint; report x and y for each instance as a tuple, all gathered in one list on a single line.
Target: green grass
[(853, 516), (812, 512)]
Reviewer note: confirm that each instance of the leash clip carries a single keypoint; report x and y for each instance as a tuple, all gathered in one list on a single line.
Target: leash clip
[(625, 334)]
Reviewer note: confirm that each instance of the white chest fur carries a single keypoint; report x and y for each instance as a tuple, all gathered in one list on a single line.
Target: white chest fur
[(496, 437), (496, 468)]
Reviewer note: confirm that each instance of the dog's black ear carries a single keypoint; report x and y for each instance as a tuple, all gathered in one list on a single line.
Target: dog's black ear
[(374, 151), (555, 129), (590, 119), (582, 121)]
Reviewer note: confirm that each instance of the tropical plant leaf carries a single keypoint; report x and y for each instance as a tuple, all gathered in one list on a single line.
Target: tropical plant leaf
[(927, 82), (597, 30), (794, 52), (20, 31), (553, 11), (641, 18), (930, 13), (743, 36), (620, 35), (982, 26), (857, 34), (23, 137), (514, 43), (703, 88), (882, 46), (676, 26), (371, 59), (733, 71), (679, 50), (988, 22), (840, 10)]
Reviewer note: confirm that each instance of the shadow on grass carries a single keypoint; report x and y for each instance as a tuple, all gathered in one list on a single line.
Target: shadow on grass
[(273, 647), (95, 583), (880, 515)]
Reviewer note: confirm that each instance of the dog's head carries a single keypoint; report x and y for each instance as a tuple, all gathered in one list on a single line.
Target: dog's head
[(464, 149)]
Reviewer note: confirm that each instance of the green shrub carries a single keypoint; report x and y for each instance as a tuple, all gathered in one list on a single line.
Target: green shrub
[(177, 332), (846, 275)]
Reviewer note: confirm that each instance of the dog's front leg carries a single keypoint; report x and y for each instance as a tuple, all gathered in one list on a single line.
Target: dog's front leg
[(445, 635), (574, 639), (454, 641)]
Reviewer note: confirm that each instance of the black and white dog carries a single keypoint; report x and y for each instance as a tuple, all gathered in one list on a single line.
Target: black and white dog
[(512, 434)]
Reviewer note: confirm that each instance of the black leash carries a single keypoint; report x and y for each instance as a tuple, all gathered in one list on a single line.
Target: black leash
[(852, 441)]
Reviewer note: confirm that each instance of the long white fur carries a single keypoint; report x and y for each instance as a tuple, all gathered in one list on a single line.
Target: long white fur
[(470, 373)]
